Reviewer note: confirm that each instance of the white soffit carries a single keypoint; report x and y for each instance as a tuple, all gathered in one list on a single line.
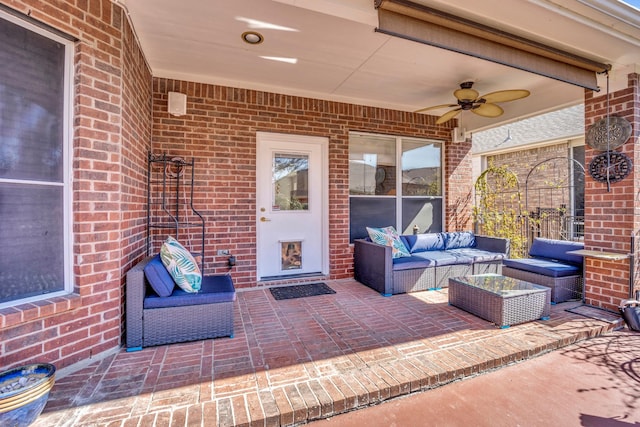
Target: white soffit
[(338, 55)]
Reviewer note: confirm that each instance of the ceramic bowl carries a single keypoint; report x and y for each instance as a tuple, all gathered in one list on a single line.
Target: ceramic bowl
[(24, 392)]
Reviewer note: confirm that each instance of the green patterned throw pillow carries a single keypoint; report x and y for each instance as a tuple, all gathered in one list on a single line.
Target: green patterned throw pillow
[(181, 265), (388, 236)]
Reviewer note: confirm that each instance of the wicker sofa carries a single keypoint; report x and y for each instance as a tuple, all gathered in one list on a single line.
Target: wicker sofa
[(550, 265), (155, 320), (434, 258)]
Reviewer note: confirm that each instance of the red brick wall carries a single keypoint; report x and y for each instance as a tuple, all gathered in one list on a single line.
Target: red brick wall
[(110, 81), (611, 216), (219, 131), (136, 143), (458, 187)]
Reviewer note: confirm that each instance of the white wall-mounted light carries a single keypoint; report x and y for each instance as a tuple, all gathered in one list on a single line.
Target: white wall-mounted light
[(459, 134), (177, 105)]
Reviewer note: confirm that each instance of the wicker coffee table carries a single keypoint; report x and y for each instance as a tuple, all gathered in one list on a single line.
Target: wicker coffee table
[(502, 300)]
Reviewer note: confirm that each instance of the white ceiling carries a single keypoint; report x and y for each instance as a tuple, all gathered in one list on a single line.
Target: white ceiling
[(338, 55)]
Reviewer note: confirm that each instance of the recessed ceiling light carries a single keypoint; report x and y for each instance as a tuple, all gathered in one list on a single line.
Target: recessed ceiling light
[(252, 37)]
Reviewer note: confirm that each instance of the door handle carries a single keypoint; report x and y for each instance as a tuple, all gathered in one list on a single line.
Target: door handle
[(263, 219)]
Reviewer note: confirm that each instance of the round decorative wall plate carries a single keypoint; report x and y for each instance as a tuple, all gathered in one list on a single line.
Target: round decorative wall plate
[(619, 133), (617, 164)]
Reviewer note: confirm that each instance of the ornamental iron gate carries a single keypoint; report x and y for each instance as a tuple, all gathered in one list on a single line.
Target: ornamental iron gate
[(552, 206)]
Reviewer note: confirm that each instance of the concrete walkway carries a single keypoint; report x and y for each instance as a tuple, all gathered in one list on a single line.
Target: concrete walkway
[(593, 383)]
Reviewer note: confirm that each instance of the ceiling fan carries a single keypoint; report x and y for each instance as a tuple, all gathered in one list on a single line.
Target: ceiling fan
[(470, 100)]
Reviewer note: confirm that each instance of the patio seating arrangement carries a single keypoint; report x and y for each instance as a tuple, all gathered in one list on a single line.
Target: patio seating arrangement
[(502, 300), (164, 314), (432, 259), (550, 264)]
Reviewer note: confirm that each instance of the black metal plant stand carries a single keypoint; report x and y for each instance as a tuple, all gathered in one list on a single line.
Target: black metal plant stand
[(170, 204)]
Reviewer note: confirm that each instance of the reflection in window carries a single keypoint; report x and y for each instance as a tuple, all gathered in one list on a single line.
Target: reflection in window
[(421, 171), (290, 179), (372, 165)]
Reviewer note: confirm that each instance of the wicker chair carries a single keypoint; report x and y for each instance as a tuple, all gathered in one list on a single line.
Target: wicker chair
[(171, 320), (551, 264)]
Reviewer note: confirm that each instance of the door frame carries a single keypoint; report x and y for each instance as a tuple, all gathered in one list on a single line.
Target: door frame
[(321, 141)]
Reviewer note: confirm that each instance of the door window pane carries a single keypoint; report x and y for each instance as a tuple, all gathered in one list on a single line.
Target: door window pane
[(290, 182)]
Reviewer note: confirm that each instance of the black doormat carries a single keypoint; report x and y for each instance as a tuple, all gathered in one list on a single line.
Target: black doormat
[(300, 291)]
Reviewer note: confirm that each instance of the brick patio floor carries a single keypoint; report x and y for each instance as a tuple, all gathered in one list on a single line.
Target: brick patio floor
[(296, 360)]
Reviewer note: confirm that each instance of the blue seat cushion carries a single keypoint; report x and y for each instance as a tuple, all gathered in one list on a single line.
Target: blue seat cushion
[(423, 242), (544, 267), (459, 239), (412, 262), (441, 258), (158, 277), (478, 255), (556, 250), (214, 289)]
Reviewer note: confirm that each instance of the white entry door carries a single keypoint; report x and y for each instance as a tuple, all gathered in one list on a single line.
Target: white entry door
[(292, 219)]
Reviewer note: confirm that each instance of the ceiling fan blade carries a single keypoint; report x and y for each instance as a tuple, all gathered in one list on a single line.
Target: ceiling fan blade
[(448, 116), (436, 107), (488, 110), (505, 95), (466, 94)]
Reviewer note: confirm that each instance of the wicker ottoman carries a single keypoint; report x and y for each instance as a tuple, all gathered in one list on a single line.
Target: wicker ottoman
[(502, 300)]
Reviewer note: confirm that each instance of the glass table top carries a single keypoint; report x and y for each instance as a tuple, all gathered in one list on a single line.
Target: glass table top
[(501, 285)]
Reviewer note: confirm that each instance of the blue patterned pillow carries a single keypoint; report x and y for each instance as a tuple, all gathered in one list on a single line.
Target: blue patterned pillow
[(388, 236), (181, 265)]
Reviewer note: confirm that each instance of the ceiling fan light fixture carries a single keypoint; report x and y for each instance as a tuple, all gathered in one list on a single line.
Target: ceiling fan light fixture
[(252, 37), (468, 99), (466, 94)]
